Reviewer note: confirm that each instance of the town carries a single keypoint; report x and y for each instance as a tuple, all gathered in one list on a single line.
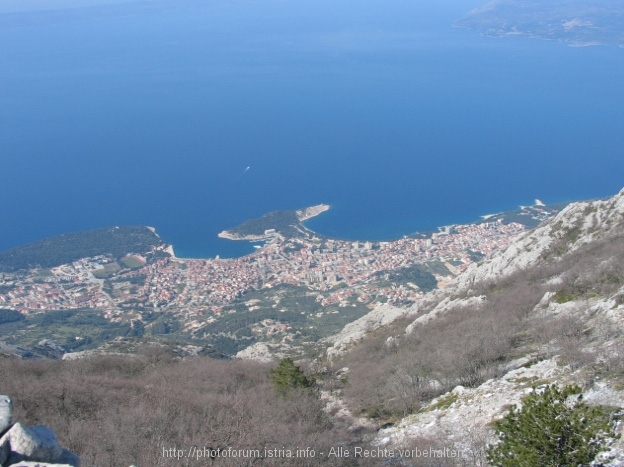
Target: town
[(334, 269), (296, 288)]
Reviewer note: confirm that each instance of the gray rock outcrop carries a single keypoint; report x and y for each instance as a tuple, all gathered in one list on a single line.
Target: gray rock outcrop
[(578, 224), (22, 446), (6, 414)]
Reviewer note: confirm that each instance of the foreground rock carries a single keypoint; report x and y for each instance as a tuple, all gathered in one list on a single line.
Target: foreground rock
[(6, 414), (22, 446)]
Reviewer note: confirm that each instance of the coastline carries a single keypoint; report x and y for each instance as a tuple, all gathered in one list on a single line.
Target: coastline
[(536, 212), (312, 211), (169, 249), (226, 234), (271, 233)]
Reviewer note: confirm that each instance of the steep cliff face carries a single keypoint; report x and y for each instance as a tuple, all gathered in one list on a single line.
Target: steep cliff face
[(549, 309)]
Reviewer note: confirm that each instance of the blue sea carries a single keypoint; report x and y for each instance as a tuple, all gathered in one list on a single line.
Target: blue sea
[(193, 116)]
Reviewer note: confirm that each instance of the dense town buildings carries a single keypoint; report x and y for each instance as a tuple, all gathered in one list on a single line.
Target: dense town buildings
[(335, 270)]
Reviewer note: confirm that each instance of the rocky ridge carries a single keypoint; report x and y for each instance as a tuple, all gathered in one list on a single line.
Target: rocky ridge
[(357, 330), (463, 416), (461, 419), (576, 225)]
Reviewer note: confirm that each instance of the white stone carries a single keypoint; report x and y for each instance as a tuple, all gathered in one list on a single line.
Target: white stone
[(6, 413), (381, 315), (37, 443)]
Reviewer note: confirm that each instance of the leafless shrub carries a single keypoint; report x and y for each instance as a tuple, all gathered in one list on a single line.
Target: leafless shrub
[(594, 269), (121, 411), (612, 358), (467, 345)]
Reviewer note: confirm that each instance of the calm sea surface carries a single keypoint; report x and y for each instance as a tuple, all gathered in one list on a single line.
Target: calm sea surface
[(196, 117)]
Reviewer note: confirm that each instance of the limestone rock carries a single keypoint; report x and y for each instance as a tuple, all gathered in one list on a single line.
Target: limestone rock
[(50, 348), (356, 330), (263, 352), (6, 413), (577, 224), (37, 443), (35, 446), (451, 415)]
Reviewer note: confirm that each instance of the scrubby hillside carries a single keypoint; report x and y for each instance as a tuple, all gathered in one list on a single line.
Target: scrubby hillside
[(548, 309), (156, 410)]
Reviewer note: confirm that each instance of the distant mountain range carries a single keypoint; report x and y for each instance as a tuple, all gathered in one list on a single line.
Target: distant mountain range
[(579, 22)]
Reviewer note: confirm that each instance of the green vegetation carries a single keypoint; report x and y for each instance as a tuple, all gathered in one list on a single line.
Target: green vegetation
[(10, 316), (287, 376), (131, 262), (75, 329), (419, 274), (85, 329), (475, 255), (138, 279), (564, 296), (283, 222), (164, 325), (296, 307), (444, 402), (554, 428), (66, 248), (110, 269), (437, 267)]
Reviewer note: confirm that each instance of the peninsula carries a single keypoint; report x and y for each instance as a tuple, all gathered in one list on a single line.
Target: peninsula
[(287, 224)]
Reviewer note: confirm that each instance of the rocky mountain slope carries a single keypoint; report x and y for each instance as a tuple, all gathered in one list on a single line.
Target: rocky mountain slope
[(548, 309), (578, 224)]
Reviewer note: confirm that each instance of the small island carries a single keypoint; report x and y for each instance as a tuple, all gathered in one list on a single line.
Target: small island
[(286, 224)]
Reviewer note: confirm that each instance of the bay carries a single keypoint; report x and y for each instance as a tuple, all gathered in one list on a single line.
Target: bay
[(195, 117)]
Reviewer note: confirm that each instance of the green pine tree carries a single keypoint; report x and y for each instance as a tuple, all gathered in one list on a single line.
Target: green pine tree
[(554, 428), (287, 376)]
